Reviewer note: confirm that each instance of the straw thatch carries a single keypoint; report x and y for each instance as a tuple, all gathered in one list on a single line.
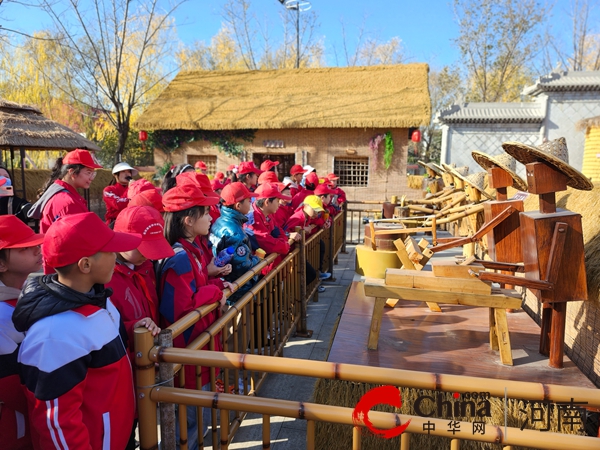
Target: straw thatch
[(25, 126), (584, 124), (395, 96)]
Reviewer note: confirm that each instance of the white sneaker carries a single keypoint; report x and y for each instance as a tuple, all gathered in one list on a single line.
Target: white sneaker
[(321, 289), (324, 276)]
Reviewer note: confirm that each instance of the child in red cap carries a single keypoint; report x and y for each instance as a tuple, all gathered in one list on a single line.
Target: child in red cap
[(73, 358), (296, 174), (183, 283), (248, 174), (76, 170), (228, 231), (339, 196), (310, 183), (20, 255)]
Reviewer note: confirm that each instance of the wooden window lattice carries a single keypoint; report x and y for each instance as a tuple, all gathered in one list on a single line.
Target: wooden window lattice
[(209, 160), (352, 171)]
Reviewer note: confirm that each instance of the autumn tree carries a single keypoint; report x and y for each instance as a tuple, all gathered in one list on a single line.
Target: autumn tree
[(498, 41), (118, 50), (580, 50)]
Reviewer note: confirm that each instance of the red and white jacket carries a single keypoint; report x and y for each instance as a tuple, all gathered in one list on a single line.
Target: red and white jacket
[(66, 201), (14, 422), (115, 197), (74, 364)]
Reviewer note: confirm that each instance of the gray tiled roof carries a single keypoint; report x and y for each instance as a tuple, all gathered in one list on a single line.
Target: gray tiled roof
[(493, 112), (565, 81)]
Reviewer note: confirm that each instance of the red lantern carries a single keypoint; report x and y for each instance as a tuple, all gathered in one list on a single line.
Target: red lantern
[(143, 136), (416, 136)]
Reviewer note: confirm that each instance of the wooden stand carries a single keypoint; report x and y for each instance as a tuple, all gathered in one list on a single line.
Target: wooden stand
[(553, 254)]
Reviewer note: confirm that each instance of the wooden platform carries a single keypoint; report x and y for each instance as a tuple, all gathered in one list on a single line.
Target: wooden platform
[(453, 342)]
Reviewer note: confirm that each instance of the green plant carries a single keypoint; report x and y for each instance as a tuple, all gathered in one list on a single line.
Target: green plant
[(225, 140), (389, 150)]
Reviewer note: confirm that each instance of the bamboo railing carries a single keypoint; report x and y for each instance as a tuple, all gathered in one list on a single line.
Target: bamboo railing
[(496, 433), (260, 322)]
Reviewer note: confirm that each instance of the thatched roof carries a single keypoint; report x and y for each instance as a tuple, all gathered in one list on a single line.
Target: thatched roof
[(584, 124), (25, 126), (395, 96)]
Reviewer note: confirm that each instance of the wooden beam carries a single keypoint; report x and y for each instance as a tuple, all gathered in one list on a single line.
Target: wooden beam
[(453, 270), (503, 336), (428, 280), (505, 299), (516, 281), (376, 323)]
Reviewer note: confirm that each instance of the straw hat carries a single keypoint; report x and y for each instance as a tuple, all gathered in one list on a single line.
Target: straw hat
[(430, 166), (505, 162), (554, 153), (477, 180), (459, 172)]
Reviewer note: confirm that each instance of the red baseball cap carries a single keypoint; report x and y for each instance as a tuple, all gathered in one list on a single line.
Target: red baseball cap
[(15, 234), (268, 177), (268, 165), (270, 190), (185, 197), (312, 178), (199, 165), (219, 176), (322, 189), (248, 167), (76, 236), (137, 186), (235, 192), (332, 176), (148, 198), (216, 184), (83, 157), (147, 222), (199, 179), (297, 168), (232, 167)]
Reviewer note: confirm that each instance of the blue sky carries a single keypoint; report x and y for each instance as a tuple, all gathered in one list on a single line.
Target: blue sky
[(426, 28)]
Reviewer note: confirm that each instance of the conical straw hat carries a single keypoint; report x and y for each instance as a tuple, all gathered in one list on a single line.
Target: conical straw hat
[(456, 171), (554, 153), (477, 180), (431, 166), (505, 162)]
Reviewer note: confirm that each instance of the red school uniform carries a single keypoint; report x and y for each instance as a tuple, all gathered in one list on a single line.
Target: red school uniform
[(116, 200), (184, 287), (134, 295), (65, 202)]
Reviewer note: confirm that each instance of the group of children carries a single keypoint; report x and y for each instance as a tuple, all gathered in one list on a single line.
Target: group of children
[(66, 338)]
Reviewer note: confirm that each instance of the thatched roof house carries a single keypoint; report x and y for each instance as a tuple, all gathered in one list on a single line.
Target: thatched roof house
[(336, 97), (324, 117), (25, 126)]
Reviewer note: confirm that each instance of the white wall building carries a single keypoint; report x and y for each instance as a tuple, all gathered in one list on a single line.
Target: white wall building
[(560, 100)]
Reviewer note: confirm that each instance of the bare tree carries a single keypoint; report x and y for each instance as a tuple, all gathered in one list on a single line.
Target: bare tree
[(118, 48), (581, 51), (498, 40)]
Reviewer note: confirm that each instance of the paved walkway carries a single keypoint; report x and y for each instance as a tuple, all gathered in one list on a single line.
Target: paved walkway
[(322, 318)]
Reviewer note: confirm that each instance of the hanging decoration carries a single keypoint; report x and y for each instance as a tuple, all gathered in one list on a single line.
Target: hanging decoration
[(225, 140), (389, 150), (374, 146)]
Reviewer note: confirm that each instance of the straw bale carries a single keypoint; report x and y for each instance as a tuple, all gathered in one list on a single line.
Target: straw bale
[(25, 126), (415, 181), (393, 96)]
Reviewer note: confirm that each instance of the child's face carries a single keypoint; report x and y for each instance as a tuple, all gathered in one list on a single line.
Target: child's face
[(103, 266), (252, 179), (84, 178), (325, 199), (297, 178), (244, 206), (310, 212), (201, 226), (133, 257), (123, 177), (22, 261), (332, 184), (272, 207)]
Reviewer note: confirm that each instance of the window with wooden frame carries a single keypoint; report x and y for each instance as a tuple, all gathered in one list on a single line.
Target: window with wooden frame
[(209, 160), (352, 171)]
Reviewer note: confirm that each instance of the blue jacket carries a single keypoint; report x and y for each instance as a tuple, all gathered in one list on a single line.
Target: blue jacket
[(228, 231)]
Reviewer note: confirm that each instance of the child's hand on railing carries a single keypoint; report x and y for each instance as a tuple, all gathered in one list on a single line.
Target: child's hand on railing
[(224, 306), (228, 285), (295, 236), (148, 323)]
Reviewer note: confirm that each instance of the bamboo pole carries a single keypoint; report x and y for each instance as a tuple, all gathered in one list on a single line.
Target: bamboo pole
[(266, 431), (456, 216), (405, 441), (144, 375), (310, 435), (356, 443), (378, 375), (337, 414), (167, 410), (455, 444)]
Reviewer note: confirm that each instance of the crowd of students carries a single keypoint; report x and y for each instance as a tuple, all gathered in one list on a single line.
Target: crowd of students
[(66, 338)]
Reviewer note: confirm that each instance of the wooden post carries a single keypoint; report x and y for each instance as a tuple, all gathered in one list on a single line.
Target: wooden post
[(344, 225), (266, 431), (405, 441), (557, 337), (331, 248), (144, 376), (167, 410), (356, 443), (376, 323), (302, 330)]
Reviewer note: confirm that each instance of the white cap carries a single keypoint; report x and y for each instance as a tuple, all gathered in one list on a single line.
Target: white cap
[(288, 182), (308, 169), (124, 166)]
